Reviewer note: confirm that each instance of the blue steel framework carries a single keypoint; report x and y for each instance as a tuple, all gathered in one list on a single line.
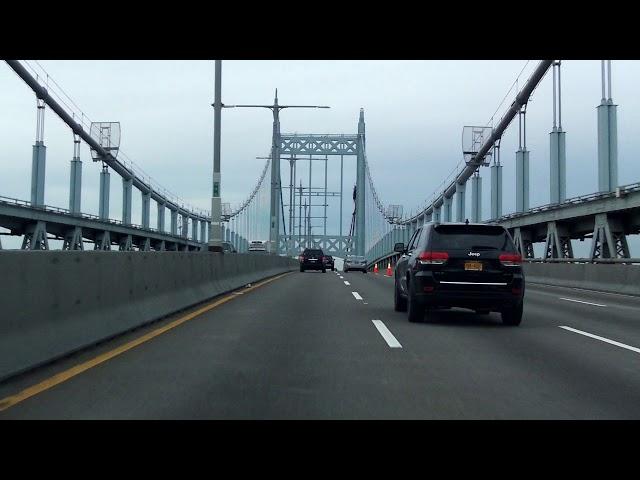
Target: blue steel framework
[(605, 217)]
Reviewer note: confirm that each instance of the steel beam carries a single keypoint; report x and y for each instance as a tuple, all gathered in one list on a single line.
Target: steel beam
[(77, 128), (476, 198), (460, 201), (35, 237), (105, 177), (174, 222), (496, 191), (127, 185), (75, 181), (161, 213), (521, 99), (447, 209), (522, 180), (146, 209), (73, 239), (38, 173), (361, 180)]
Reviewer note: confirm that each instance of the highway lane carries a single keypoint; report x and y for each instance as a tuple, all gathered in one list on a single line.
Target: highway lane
[(308, 345)]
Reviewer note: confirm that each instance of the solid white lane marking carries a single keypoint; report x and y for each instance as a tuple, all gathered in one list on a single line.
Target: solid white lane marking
[(346, 283), (357, 295), (594, 292), (603, 339), (386, 334), (580, 301)]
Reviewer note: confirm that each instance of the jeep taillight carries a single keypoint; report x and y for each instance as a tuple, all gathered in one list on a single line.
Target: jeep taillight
[(510, 259), (433, 258)]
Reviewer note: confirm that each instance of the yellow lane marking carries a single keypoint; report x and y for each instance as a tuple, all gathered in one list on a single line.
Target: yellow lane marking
[(61, 377)]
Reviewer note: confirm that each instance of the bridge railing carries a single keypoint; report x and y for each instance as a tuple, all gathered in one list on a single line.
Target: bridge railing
[(633, 187), (88, 216)]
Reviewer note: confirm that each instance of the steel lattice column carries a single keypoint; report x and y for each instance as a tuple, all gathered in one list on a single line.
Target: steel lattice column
[(160, 225), (127, 186), (607, 138), (105, 178), (436, 214), (496, 191), (557, 145), (185, 225), (174, 222), (460, 201), (447, 208), (609, 238), (558, 242), (38, 163), (75, 181), (522, 180), (146, 208), (360, 187), (476, 198)]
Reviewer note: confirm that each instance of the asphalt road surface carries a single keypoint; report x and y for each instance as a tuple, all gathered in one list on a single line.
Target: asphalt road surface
[(330, 346)]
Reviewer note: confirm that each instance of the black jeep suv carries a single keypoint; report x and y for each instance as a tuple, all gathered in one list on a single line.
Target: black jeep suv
[(468, 265), (312, 259)]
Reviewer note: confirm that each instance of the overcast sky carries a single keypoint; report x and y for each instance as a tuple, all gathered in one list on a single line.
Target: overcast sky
[(414, 112)]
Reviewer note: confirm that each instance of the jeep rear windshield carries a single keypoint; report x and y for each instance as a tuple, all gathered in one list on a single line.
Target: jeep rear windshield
[(313, 252), (471, 237)]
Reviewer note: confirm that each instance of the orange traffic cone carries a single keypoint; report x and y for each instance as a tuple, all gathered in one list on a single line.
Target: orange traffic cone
[(389, 273), (375, 269)]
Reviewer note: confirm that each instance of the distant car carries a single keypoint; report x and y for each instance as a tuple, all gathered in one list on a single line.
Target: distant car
[(257, 246), (355, 262), (467, 265), (329, 263), (312, 259), (227, 247)]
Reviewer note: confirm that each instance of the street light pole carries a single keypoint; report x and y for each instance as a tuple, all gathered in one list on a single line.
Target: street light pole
[(215, 242)]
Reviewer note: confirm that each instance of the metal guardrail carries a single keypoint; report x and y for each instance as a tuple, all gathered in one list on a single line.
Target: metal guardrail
[(620, 191), (88, 216), (624, 261), (583, 260)]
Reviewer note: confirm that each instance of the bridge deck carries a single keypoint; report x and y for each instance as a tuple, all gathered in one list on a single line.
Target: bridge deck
[(269, 353)]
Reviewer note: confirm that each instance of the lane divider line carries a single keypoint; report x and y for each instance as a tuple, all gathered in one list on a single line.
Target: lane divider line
[(602, 339), (65, 375), (346, 283), (357, 295), (386, 334), (580, 301)]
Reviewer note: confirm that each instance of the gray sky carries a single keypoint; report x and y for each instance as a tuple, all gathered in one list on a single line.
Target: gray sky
[(414, 112)]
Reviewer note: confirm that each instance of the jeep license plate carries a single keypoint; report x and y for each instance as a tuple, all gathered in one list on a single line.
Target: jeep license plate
[(474, 266)]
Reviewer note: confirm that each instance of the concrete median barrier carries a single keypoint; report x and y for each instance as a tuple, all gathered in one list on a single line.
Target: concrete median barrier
[(612, 278), (53, 303)]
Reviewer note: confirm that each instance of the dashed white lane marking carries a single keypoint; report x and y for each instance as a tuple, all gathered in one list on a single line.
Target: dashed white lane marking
[(341, 277), (346, 283), (602, 339), (357, 295), (580, 301), (386, 334)]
